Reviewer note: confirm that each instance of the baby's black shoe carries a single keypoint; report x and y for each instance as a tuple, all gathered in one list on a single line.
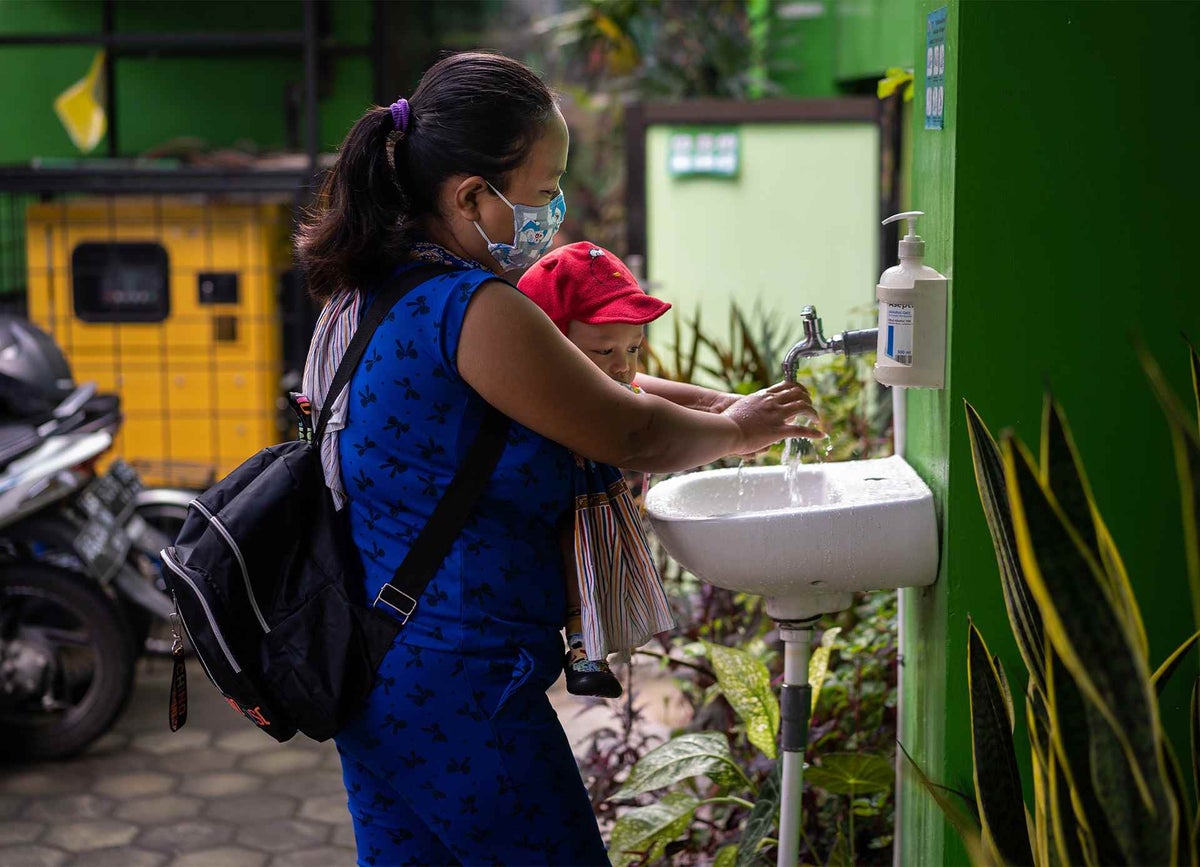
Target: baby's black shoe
[(589, 676)]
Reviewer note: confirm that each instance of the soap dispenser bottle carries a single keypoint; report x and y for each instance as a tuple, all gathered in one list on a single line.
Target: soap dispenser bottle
[(912, 316)]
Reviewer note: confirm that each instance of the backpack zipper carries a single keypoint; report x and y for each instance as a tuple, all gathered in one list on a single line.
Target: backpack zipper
[(176, 616), (237, 552), (212, 622)]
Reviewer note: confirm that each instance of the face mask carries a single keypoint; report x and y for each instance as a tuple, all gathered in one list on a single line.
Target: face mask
[(534, 229)]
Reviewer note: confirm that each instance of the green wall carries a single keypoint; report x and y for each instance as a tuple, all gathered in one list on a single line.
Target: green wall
[(1060, 199), (821, 47), (932, 720), (221, 99), (802, 49), (872, 35)]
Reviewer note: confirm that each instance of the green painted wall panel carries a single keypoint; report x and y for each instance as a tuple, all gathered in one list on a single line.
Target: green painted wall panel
[(1093, 157), (932, 720), (141, 17), (815, 44), (183, 97), (30, 80), (49, 16), (802, 51), (873, 35), (222, 100), (798, 226), (1060, 194), (196, 97), (344, 104), (31, 77)]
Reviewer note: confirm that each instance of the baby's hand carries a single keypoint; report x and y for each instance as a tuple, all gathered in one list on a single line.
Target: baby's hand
[(722, 400)]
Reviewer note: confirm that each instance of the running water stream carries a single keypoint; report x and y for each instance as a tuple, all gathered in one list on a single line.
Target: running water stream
[(792, 460)]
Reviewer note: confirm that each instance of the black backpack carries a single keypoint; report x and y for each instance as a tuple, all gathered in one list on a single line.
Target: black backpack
[(267, 581)]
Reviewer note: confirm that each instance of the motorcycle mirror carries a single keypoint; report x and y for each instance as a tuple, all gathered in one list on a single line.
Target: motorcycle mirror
[(75, 401)]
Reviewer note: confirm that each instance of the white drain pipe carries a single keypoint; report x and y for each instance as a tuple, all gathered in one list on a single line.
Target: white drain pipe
[(899, 441), (796, 704)]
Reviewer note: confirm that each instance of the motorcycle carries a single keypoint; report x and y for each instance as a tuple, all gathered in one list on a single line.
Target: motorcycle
[(80, 589)]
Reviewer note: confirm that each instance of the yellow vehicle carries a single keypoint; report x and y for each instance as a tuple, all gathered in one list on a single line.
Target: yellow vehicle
[(174, 304)]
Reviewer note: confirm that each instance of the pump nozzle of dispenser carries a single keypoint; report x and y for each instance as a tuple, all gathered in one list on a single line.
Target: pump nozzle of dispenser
[(911, 244)]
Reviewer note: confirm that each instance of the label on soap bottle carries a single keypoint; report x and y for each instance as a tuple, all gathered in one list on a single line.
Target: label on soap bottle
[(898, 333)]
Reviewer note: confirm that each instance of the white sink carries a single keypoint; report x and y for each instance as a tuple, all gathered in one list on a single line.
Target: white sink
[(854, 525)]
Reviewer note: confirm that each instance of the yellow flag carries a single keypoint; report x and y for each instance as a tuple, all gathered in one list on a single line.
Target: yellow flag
[(894, 80), (81, 107)]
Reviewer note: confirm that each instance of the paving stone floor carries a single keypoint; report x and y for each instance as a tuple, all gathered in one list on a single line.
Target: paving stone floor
[(217, 793)]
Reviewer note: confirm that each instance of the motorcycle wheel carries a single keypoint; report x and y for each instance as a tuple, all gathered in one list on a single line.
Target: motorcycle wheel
[(72, 623), (167, 518)]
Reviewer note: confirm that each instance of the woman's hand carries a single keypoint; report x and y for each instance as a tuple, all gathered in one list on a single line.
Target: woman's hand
[(765, 417)]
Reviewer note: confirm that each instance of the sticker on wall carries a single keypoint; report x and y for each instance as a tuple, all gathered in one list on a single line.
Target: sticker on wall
[(704, 151), (935, 69)]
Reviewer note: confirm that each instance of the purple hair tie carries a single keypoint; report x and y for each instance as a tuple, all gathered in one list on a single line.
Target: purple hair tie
[(400, 113)]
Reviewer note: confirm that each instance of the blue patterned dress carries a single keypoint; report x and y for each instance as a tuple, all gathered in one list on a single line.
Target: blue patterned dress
[(459, 757)]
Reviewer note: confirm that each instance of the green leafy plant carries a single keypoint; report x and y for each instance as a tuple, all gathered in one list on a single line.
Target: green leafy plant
[(853, 670), (713, 789), (1107, 785), (856, 715), (665, 49)]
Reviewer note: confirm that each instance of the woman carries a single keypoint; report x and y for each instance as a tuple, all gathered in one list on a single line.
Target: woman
[(458, 757)]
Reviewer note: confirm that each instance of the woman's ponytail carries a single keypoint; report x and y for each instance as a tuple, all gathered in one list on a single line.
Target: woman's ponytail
[(472, 114), (356, 228)]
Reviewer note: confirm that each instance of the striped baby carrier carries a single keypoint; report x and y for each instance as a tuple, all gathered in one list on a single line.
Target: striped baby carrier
[(623, 601)]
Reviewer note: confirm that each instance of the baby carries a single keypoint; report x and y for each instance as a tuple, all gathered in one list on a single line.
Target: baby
[(615, 599)]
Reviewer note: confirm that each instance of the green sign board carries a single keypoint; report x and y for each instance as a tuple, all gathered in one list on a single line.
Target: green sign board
[(704, 152)]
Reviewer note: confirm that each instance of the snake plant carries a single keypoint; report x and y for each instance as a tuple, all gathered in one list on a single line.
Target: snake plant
[(1107, 786)]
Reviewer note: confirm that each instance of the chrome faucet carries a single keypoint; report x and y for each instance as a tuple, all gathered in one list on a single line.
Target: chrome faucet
[(814, 343)]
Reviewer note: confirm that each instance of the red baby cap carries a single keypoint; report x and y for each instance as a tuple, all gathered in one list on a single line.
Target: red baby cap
[(583, 282)]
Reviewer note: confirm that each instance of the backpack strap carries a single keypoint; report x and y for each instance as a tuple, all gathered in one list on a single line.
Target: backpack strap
[(450, 515), (387, 298)]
